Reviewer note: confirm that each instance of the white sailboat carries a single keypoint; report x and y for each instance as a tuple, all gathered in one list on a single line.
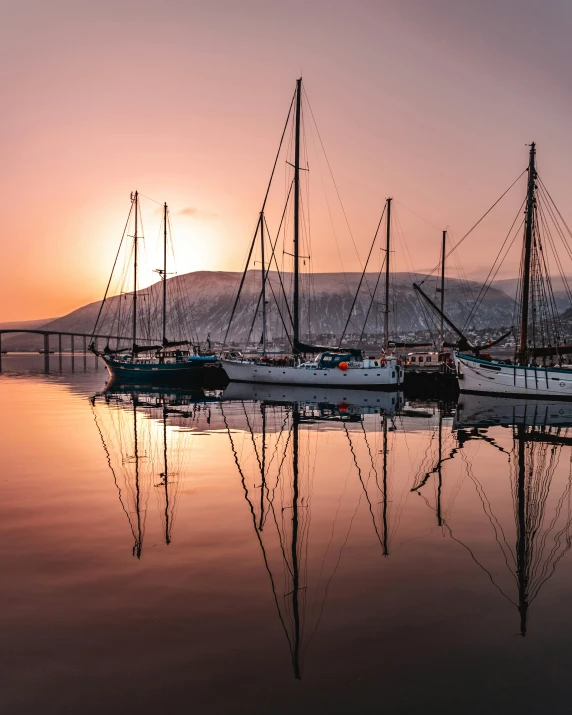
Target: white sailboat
[(525, 376), (539, 368), (333, 367)]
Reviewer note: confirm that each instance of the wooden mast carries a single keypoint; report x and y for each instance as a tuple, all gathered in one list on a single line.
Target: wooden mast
[(135, 273), (165, 274), (296, 307), (528, 236), (387, 248)]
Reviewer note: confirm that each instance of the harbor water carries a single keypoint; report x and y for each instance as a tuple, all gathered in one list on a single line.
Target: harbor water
[(173, 550)]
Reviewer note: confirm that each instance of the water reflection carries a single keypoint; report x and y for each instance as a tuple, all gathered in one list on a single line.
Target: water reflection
[(539, 432), (146, 449), (282, 439)]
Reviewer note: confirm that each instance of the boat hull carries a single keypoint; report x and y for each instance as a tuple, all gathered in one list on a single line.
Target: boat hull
[(389, 377), (154, 373), (482, 376)]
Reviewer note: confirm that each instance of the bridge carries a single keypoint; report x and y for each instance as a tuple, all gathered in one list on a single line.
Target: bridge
[(72, 335)]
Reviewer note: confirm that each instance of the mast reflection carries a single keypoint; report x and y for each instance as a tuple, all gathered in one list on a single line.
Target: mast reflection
[(145, 437), (283, 441), (539, 432)]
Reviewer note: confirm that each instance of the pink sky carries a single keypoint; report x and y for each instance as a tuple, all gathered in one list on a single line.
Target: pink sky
[(429, 102)]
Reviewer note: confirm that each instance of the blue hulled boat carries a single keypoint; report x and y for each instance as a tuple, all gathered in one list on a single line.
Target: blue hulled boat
[(166, 361)]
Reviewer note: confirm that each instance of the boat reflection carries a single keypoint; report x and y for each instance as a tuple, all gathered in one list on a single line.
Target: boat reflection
[(366, 451), (537, 434), (283, 426), (145, 435)]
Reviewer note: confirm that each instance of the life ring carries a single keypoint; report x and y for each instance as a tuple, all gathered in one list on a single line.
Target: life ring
[(343, 365), (382, 362)]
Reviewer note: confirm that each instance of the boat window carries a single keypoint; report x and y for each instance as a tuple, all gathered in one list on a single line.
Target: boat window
[(420, 359), (428, 358), (333, 360), (413, 358)]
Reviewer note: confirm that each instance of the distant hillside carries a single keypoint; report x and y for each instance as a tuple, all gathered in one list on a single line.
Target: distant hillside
[(327, 299), (510, 287), (26, 324)]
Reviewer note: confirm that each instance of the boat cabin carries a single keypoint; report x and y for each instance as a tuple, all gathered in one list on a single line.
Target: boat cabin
[(423, 359), (330, 360)]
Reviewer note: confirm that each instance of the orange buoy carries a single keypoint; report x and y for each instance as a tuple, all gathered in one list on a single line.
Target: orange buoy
[(343, 365)]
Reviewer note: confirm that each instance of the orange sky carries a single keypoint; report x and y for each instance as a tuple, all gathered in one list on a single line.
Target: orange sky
[(429, 102)]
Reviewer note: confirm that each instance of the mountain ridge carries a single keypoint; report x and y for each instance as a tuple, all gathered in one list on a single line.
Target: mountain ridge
[(201, 303)]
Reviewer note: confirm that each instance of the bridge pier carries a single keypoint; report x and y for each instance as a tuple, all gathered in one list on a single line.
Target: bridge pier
[(72, 344), (60, 344), (0, 352), (46, 352)]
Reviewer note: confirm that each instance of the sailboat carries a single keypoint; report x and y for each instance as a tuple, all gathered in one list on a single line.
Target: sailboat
[(332, 367), (165, 360), (540, 335)]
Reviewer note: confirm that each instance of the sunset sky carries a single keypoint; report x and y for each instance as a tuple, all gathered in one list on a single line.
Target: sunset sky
[(429, 101)]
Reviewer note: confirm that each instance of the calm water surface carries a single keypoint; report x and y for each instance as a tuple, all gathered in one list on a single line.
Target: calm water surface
[(166, 553)]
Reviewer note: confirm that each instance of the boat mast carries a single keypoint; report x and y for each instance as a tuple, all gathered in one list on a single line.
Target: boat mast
[(387, 245), (441, 326), (528, 234), (296, 314), (165, 274), (136, 199), (263, 283)]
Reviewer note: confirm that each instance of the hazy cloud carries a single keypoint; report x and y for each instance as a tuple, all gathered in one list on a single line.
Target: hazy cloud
[(195, 212)]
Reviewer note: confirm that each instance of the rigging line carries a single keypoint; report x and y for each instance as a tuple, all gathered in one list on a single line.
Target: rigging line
[(108, 458), (334, 572), (418, 215), (543, 186), (258, 222), (258, 536), (112, 270), (547, 283), (267, 270), (558, 228), (241, 282), (362, 277), (150, 199), (273, 255), (475, 225), (332, 175), (364, 487), (331, 217), (488, 511), (485, 288), (371, 302)]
